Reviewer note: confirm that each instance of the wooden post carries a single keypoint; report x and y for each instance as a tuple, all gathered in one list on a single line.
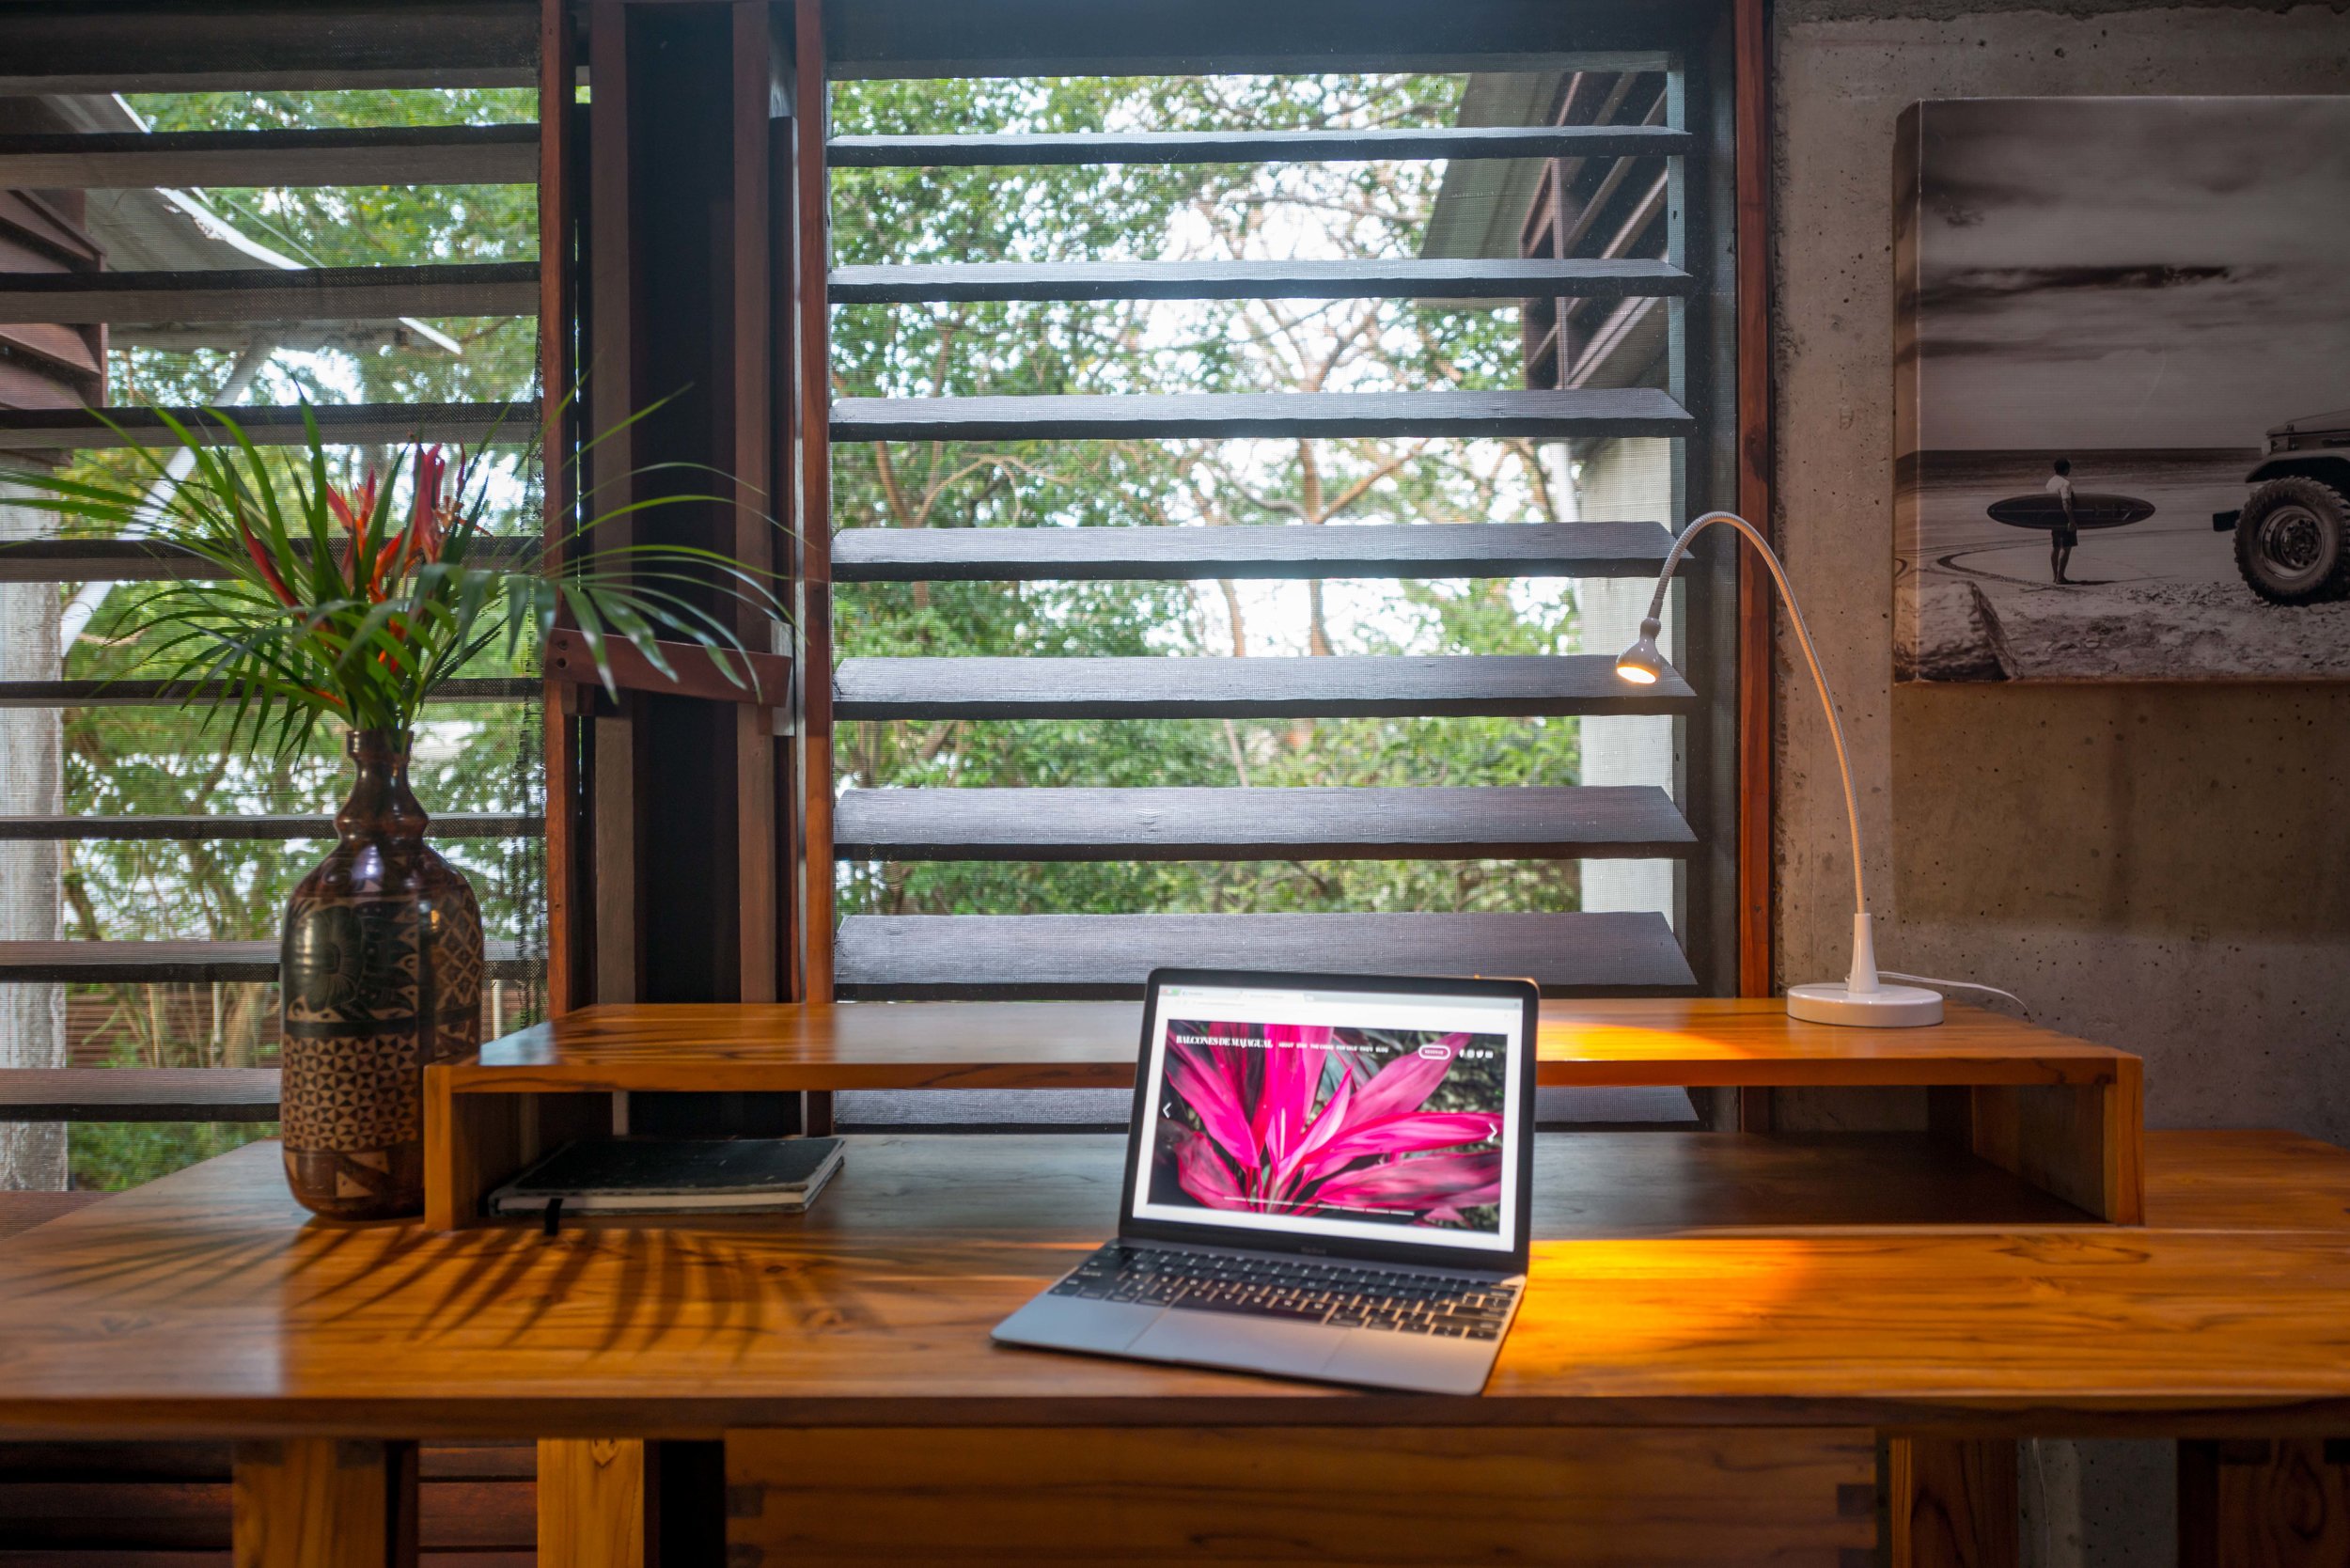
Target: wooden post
[(812, 262), (1757, 658), (2259, 1504), (557, 310), (758, 100), (1952, 1503), (608, 391), (594, 1504), (324, 1503)]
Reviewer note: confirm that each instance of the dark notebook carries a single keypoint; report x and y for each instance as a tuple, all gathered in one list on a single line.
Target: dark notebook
[(657, 1175)]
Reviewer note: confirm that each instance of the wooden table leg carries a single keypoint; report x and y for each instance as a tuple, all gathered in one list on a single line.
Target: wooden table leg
[(324, 1503), (594, 1503), (2258, 1504), (1953, 1504)]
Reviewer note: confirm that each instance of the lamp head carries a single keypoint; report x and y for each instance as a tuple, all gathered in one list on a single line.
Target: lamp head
[(1641, 663)]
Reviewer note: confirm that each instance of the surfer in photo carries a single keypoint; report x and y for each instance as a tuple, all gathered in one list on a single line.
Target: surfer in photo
[(2066, 535)]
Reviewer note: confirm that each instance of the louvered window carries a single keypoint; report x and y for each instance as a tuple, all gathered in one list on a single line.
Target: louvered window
[(1117, 684), (224, 207)]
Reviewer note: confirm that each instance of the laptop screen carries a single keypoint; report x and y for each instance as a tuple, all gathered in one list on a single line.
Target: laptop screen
[(1316, 1111)]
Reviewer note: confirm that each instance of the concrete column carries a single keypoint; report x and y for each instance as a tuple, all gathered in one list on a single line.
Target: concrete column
[(32, 1017), (1624, 481)]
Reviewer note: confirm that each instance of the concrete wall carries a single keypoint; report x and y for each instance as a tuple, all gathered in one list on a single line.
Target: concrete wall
[(2165, 868)]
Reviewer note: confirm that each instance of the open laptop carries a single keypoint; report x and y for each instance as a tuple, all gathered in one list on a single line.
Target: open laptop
[(1327, 1177)]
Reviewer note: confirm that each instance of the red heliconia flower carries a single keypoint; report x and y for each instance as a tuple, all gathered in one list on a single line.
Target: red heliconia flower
[(1269, 1148)]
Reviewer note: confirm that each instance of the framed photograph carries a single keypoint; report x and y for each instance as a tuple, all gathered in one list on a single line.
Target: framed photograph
[(2122, 389)]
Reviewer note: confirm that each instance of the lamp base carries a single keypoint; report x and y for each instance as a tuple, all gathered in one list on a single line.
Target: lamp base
[(1888, 1007)]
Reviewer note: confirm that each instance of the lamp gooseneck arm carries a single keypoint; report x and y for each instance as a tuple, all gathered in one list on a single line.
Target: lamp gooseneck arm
[(1819, 680)]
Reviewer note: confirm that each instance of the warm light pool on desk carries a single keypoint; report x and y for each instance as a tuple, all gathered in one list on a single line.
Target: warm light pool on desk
[(1861, 997)]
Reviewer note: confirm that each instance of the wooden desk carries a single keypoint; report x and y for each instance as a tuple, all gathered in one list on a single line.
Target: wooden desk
[(2063, 1114), (1732, 1364)]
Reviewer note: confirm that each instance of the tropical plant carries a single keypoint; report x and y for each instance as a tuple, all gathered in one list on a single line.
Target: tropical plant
[(1288, 1125), (337, 603)]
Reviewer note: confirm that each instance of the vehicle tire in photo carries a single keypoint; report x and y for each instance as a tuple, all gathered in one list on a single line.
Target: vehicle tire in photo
[(2293, 542)]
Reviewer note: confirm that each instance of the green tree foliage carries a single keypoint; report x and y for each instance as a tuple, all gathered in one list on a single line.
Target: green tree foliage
[(1087, 212)]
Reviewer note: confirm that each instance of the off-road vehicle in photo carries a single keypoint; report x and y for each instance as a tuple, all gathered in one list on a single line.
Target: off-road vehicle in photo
[(2293, 535)]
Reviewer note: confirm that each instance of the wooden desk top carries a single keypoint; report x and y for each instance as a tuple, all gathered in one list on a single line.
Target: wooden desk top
[(204, 1305), (1091, 1046)]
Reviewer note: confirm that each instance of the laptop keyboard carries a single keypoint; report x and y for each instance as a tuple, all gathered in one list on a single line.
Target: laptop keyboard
[(1341, 1295)]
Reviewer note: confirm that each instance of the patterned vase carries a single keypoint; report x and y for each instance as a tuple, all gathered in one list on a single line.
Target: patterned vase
[(382, 974)]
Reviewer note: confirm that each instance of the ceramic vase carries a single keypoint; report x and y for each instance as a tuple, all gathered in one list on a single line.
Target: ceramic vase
[(382, 974)]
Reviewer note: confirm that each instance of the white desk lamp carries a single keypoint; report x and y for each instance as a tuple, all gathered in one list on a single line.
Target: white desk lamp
[(1859, 998)]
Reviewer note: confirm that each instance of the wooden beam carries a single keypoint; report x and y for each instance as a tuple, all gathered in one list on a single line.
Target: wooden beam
[(1183, 554), (374, 155), (1342, 1492), (271, 295), (758, 680), (1214, 415), (325, 1502), (1398, 278), (1453, 142), (1347, 685), (1307, 823)]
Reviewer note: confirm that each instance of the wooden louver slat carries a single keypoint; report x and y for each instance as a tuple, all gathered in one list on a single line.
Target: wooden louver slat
[(269, 295), (1014, 150), (988, 957), (1351, 685), (1180, 553), (175, 694), (350, 424), (138, 1094), (179, 963), (456, 825), (1312, 823), (1237, 280), (1626, 411), (145, 560), (371, 155)]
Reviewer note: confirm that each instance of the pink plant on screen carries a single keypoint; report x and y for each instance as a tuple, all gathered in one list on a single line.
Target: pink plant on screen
[(1267, 1149)]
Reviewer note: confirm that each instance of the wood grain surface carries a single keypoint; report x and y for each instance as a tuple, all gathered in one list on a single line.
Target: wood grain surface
[(874, 1307), (1628, 1042), (1337, 1495)]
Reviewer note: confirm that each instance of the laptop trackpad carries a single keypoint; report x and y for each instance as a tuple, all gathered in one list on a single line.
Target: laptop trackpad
[(1073, 1322), (1234, 1339)]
